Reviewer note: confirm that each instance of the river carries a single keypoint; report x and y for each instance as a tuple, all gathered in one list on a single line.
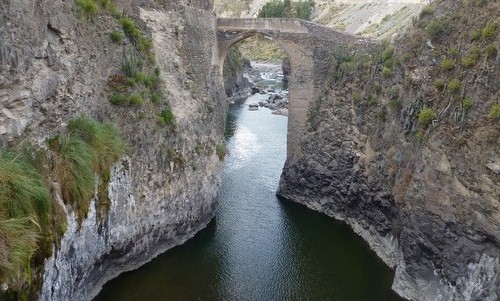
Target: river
[(259, 247)]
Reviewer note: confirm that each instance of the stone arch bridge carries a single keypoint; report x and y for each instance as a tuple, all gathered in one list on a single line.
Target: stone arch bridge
[(311, 49)]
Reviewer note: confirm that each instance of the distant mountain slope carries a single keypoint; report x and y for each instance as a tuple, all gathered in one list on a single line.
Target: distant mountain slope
[(371, 18)]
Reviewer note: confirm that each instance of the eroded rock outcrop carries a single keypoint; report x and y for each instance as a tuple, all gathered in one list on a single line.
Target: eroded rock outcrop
[(236, 83), (56, 66), (422, 192)]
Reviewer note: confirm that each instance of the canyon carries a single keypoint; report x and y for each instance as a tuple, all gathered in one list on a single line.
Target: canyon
[(425, 195)]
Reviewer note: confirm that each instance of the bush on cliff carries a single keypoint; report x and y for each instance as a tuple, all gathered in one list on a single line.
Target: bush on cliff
[(88, 149), (275, 9), (426, 116), (303, 9), (24, 209), (285, 9), (87, 8)]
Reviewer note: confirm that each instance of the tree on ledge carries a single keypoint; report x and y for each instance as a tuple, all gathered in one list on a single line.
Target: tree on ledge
[(285, 9)]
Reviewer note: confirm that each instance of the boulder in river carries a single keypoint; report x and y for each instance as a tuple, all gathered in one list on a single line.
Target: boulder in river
[(253, 106)]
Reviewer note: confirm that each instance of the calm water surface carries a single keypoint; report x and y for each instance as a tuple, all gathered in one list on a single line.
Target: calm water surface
[(259, 247)]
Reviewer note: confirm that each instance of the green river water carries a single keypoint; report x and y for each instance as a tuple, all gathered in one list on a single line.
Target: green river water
[(259, 247)]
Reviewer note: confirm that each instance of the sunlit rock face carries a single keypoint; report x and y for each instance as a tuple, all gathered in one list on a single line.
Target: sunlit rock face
[(54, 66)]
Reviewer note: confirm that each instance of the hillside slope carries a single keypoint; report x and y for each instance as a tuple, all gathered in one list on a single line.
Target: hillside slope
[(379, 19)]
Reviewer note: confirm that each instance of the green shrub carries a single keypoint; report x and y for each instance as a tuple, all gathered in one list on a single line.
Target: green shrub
[(395, 104), (281, 9), (18, 243), (438, 28), (388, 63), (479, 3), (133, 63), (119, 99), (114, 11), (454, 85), (105, 3), (233, 62), (387, 54), (491, 51), (467, 103), (145, 44), (489, 31), (136, 99), (151, 81), (131, 82), (303, 9), (116, 36), (102, 137), (25, 212), (130, 29), (22, 191), (87, 8), (426, 116), (155, 98), (495, 112), (167, 117), (373, 100), (139, 77), (89, 148), (220, 150), (426, 11), (357, 97), (438, 84), (454, 52), (387, 72), (381, 115), (73, 169), (447, 64), (472, 58), (171, 153), (468, 61), (475, 35), (275, 9)]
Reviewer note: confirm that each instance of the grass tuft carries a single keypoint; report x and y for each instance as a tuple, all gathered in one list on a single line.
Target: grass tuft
[(88, 149), (220, 150), (426, 116), (25, 208), (18, 242), (87, 8), (116, 36), (495, 112), (22, 191)]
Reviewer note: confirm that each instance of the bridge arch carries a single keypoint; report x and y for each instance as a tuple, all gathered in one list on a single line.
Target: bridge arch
[(310, 48)]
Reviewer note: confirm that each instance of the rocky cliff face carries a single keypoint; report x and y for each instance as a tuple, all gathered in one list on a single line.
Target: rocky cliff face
[(55, 65), (236, 83), (423, 192)]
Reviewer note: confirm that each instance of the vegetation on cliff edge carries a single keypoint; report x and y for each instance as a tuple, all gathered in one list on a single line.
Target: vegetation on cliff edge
[(286, 9), (31, 221)]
